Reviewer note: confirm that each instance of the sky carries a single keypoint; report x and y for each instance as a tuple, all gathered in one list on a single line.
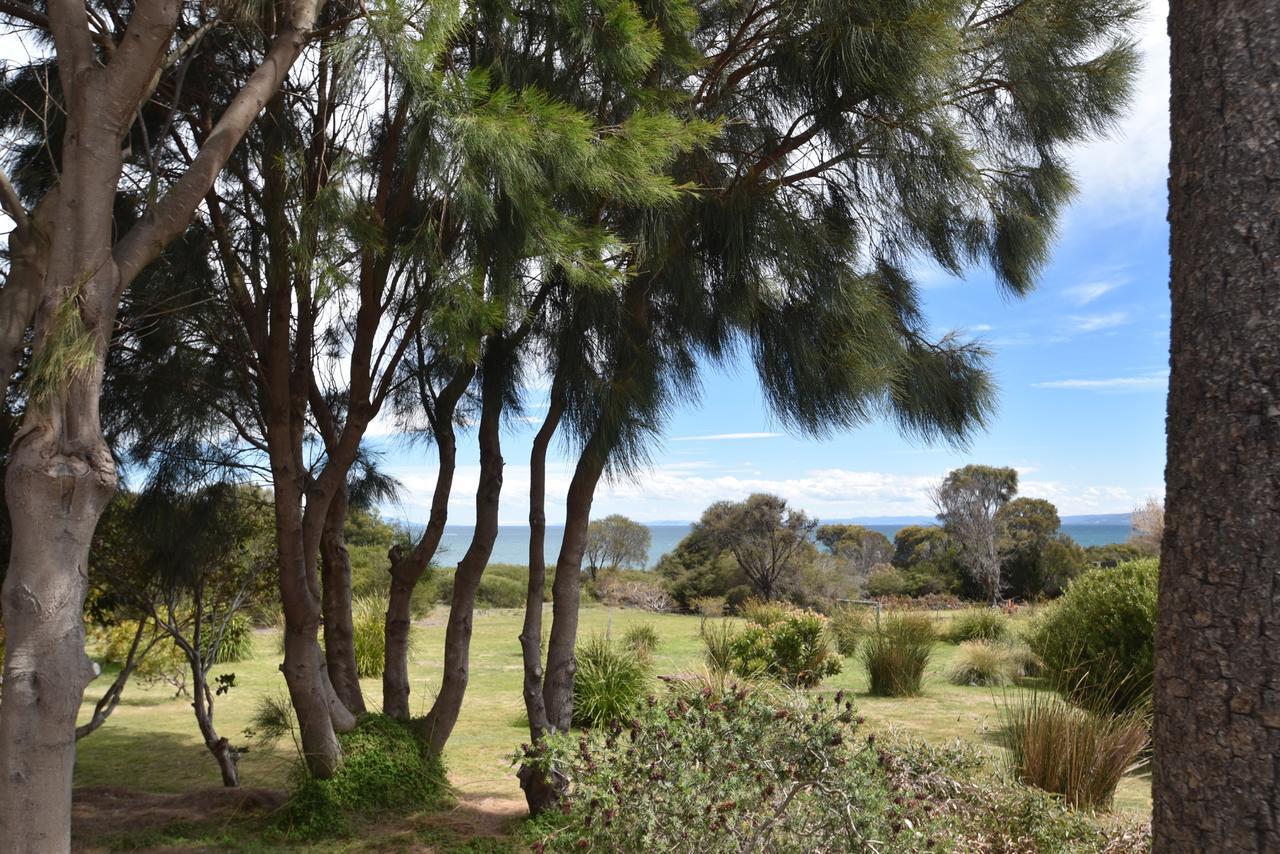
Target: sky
[(1081, 365)]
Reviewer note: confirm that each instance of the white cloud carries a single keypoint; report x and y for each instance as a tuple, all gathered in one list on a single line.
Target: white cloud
[(1144, 382), (1090, 291), (1098, 322), (722, 437)]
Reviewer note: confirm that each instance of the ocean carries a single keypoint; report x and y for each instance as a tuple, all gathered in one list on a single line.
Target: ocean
[(512, 545)]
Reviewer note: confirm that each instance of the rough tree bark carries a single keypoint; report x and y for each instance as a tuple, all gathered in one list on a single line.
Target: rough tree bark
[(1216, 782), (407, 569), (439, 722), (335, 585)]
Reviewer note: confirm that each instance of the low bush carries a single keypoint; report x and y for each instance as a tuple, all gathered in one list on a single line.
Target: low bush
[(642, 639), (1023, 663), (929, 602), (848, 623), (385, 767), (765, 613), (368, 624), (718, 636), (164, 662), (981, 662), (1070, 751), (887, 581), (896, 656), (972, 624), (609, 682), (237, 641), (742, 770), (633, 589), (794, 650), (708, 606), (503, 585), (1097, 641)]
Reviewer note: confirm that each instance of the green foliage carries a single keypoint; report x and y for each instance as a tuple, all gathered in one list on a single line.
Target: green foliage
[(981, 662), (848, 624), (718, 637), (368, 624), (1113, 554), (608, 683), (642, 639), (1037, 560), (164, 662), (794, 649), (237, 641), (616, 542), (385, 768), (503, 585), (896, 656), (764, 613), (888, 581), (271, 719), (1070, 751), (1097, 641), (971, 624)]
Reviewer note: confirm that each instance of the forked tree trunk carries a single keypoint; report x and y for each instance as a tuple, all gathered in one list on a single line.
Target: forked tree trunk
[(539, 791), (1216, 780), (440, 721), (407, 569), (335, 585)]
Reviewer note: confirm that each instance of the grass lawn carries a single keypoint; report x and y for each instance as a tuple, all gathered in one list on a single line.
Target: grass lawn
[(151, 743)]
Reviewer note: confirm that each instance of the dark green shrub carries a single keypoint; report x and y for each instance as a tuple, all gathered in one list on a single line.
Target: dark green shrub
[(764, 613), (887, 581), (385, 768), (642, 639), (981, 662), (1070, 751), (609, 682), (237, 641), (897, 655), (848, 624), (973, 624), (1097, 641), (794, 650)]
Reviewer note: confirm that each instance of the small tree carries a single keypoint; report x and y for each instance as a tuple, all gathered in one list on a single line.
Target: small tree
[(614, 542), (1036, 558), (863, 547), (1147, 524), (764, 535), (968, 501)]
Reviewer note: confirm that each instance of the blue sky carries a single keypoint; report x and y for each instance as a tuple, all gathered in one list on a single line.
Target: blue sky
[(1082, 367)]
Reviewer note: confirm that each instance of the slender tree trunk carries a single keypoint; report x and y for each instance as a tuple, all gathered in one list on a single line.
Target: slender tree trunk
[(1216, 780), (335, 585), (111, 697), (407, 569), (539, 791), (24, 285), (202, 702), (439, 723)]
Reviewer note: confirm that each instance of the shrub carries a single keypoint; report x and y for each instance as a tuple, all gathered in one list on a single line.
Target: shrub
[(708, 606), (794, 650), (165, 662), (1023, 663), (981, 662), (497, 591), (718, 636), (848, 624), (1097, 641), (765, 613), (368, 624), (608, 684), (1071, 751), (385, 767), (897, 655), (633, 589), (237, 641), (974, 624), (641, 639), (887, 581)]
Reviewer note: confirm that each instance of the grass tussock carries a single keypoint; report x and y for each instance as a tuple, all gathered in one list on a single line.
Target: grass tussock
[(896, 656), (978, 624), (609, 681), (982, 663)]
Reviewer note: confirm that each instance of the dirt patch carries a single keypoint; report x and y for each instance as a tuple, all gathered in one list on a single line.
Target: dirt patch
[(476, 815), (101, 811)]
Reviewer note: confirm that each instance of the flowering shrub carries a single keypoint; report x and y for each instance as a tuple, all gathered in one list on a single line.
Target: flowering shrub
[(795, 650)]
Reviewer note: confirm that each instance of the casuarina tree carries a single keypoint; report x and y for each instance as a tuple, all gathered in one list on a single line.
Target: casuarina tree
[(1216, 782), (110, 69)]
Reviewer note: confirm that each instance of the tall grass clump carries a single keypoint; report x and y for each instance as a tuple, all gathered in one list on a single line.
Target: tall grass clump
[(1097, 641), (237, 641), (718, 636), (369, 635), (897, 655), (848, 624), (642, 639), (978, 624), (1072, 751), (982, 663), (764, 613), (609, 682)]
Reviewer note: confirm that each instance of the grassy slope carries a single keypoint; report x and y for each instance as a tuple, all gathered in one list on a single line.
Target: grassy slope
[(151, 742)]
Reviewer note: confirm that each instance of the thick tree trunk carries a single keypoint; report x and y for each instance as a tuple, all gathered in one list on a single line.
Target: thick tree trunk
[(335, 585), (439, 722), (407, 569), (1216, 781), (539, 791)]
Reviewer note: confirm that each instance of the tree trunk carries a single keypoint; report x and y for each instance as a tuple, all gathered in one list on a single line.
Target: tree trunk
[(538, 790), (335, 585), (1216, 780), (407, 569), (439, 723), (202, 702)]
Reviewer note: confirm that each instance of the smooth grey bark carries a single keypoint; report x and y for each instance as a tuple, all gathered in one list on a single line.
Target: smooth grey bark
[(1216, 779), (407, 569), (335, 584)]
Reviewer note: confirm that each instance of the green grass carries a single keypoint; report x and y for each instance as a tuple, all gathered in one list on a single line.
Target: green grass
[(151, 742)]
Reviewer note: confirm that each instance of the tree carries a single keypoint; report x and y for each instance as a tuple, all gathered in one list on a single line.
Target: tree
[(863, 547), (765, 536), (1035, 558), (616, 541), (1147, 522), (111, 69), (968, 501), (1216, 785)]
